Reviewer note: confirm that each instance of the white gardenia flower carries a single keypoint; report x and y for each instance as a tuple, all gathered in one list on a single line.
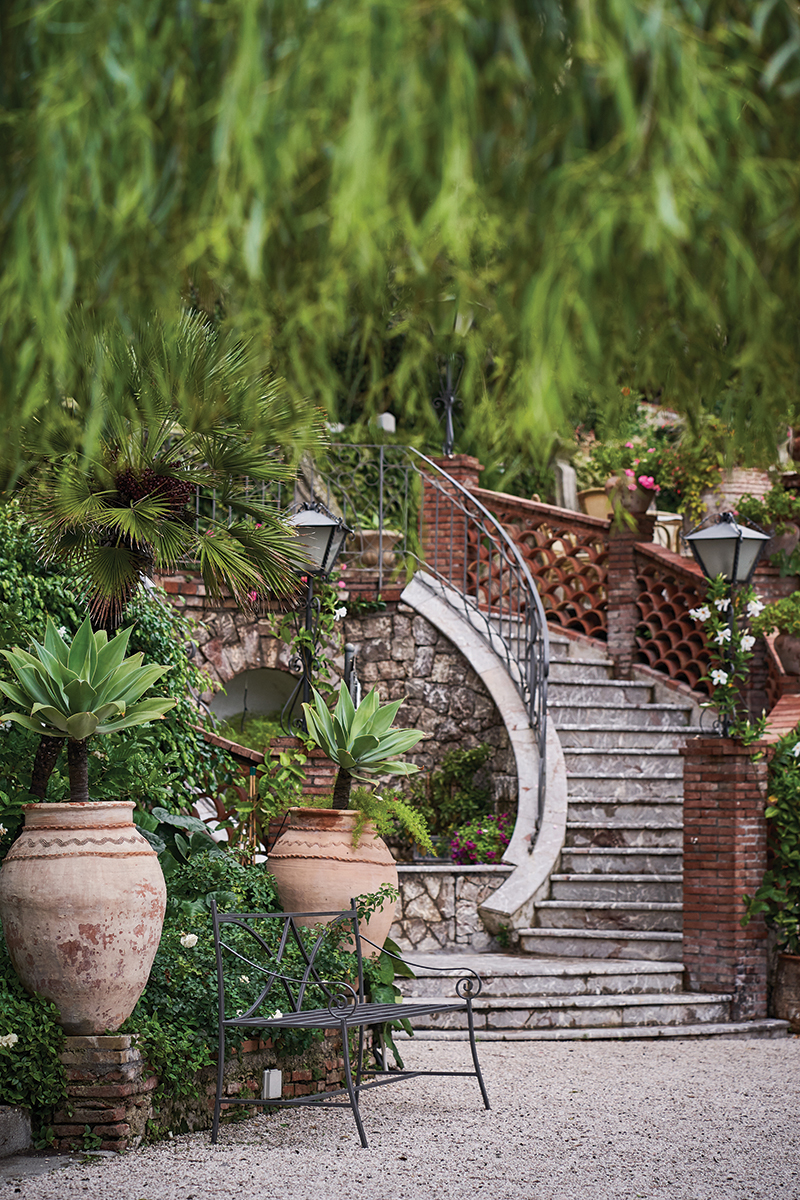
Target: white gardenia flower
[(722, 605), (747, 642), (754, 607), (339, 613), (189, 940), (719, 677), (796, 750), (8, 1040), (724, 635), (700, 614)]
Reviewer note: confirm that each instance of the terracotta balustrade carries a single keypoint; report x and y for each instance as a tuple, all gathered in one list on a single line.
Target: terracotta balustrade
[(668, 639), (567, 555)]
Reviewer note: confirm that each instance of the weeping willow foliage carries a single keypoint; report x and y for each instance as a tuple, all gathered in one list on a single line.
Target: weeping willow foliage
[(565, 194)]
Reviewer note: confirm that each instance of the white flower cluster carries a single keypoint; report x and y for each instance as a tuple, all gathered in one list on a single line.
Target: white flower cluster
[(189, 940), (719, 678), (700, 614), (8, 1040)]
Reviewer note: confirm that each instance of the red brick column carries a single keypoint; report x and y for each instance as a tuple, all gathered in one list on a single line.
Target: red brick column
[(444, 525), (623, 614), (724, 856)]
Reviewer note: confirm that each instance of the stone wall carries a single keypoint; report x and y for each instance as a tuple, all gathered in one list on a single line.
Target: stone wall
[(397, 650), (438, 906), (407, 658)]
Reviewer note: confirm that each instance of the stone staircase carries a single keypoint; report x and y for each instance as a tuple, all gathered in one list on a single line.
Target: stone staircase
[(604, 957)]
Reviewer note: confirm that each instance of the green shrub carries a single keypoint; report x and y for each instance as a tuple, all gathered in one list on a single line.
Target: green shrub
[(31, 1073)]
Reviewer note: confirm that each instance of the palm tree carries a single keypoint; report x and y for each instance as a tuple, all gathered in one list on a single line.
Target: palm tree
[(181, 408)]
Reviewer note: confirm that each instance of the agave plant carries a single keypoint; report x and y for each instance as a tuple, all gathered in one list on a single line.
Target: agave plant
[(361, 740), (74, 690)]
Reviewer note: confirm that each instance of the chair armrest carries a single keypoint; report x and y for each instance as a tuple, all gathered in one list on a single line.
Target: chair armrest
[(469, 982)]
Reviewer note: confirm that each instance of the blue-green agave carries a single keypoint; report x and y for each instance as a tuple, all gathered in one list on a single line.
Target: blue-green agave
[(75, 689), (361, 740)]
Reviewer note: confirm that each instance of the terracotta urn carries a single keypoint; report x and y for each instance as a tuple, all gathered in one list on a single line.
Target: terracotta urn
[(374, 544), (787, 648), (82, 902), (317, 868)]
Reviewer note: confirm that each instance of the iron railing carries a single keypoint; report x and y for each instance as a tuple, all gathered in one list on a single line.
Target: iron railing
[(407, 513)]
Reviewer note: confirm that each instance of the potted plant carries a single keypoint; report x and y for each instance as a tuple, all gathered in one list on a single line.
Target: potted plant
[(326, 856), (82, 895), (783, 616), (777, 900)]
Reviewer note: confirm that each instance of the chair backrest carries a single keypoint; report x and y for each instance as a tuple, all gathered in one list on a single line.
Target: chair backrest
[(264, 942)]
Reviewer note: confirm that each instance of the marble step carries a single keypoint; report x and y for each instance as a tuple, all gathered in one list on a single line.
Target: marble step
[(620, 693), (620, 915), (584, 1012), (627, 762), (522, 975), (610, 715), (649, 888), (626, 809), (595, 785), (579, 670), (600, 737), (767, 1027), (625, 834), (597, 860), (619, 945)]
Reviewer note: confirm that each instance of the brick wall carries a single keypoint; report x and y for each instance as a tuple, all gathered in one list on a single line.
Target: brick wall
[(110, 1088), (623, 614), (724, 856)]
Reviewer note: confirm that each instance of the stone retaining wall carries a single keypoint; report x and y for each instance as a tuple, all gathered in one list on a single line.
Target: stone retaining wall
[(438, 906), (397, 650)]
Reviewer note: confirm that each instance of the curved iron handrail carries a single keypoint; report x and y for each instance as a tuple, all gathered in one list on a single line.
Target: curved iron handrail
[(413, 509)]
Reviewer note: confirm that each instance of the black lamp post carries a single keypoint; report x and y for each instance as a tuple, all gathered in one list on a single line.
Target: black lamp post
[(723, 547), (322, 536), (448, 401)]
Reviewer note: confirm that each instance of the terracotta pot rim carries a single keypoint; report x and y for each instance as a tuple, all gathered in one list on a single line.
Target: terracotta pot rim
[(55, 805), (786, 954)]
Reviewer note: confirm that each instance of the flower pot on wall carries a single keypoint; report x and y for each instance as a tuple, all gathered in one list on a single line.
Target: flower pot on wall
[(82, 901), (787, 647), (634, 499), (373, 544), (316, 867), (595, 503)]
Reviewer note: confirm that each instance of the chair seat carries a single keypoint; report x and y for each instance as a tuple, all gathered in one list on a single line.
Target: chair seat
[(363, 1014)]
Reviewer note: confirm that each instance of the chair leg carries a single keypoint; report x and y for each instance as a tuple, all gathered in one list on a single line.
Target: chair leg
[(220, 1085), (474, 1050), (351, 1091)]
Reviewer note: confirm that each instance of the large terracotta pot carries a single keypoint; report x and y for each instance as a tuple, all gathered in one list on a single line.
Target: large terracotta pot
[(82, 901), (595, 502), (786, 993), (316, 867)]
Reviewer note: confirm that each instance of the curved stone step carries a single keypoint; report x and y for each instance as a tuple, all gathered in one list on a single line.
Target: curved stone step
[(625, 833), (609, 715), (592, 784), (767, 1027), (597, 860), (575, 735), (617, 944), (611, 915), (520, 975), (617, 888)]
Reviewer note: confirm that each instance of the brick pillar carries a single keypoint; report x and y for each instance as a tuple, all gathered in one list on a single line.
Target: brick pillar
[(109, 1089), (724, 856), (623, 591), (444, 525)]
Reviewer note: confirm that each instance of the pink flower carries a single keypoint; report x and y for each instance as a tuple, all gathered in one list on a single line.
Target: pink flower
[(342, 583), (628, 445), (252, 597), (304, 579), (631, 487), (628, 471), (651, 450), (636, 462)]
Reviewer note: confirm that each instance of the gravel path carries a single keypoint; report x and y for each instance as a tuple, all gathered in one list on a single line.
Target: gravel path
[(700, 1120)]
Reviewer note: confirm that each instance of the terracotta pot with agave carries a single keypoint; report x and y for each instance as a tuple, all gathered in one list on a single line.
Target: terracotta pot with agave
[(326, 856), (82, 896)]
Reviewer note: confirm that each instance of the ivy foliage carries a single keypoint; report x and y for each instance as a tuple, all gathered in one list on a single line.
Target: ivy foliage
[(31, 1040), (451, 795), (778, 897)]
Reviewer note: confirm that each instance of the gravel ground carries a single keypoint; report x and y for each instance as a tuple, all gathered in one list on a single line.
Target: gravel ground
[(701, 1120)]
